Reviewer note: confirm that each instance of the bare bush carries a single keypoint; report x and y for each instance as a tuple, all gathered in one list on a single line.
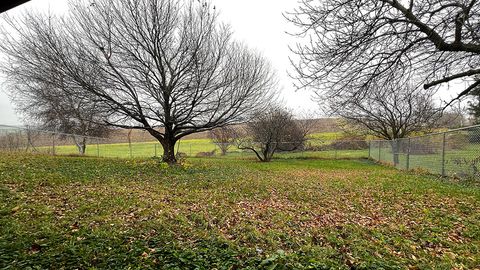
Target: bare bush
[(223, 137), (271, 131), (206, 154)]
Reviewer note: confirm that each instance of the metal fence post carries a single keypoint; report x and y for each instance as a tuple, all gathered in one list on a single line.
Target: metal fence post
[(380, 150), (443, 153), (53, 144), (369, 149), (130, 149), (98, 149), (408, 155)]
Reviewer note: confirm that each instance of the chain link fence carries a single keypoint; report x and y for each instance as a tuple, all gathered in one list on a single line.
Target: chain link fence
[(453, 153), (29, 140)]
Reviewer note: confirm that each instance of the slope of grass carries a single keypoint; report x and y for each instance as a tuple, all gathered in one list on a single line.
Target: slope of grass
[(231, 214)]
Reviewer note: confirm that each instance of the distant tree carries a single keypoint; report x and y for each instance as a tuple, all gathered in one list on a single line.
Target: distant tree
[(388, 113), (474, 105), (356, 46), (223, 137), (51, 108), (44, 95), (451, 120), (455, 116), (270, 131), (167, 67)]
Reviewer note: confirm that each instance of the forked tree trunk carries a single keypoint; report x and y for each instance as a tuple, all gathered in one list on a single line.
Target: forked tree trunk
[(81, 145), (223, 148)]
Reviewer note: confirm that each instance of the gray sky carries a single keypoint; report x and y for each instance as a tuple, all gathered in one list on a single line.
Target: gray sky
[(259, 24)]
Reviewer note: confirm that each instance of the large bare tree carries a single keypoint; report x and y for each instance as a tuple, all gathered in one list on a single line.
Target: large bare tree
[(167, 67), (352, 45)]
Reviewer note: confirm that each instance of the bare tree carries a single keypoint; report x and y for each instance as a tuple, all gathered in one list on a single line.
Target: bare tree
[(455, 116), (388, 113), (57, 110), (474, 105), (354, 45), (270, 131), (167, 67), (43, 94), (223, 137)]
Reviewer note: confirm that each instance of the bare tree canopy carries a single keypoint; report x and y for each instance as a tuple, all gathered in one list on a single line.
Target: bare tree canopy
[(389, 113), (474, 105), (223, 137), (167, 67), (53, 109), (352, 45), (270, 131), (43, 95)]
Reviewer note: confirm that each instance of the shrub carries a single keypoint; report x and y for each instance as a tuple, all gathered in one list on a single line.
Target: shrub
[(206, 154)]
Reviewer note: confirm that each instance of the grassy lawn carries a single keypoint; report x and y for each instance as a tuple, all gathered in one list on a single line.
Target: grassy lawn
[(87, 213)]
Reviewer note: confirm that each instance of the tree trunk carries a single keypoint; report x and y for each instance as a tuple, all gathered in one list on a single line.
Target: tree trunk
[(168, 145), (223, 148), (395, 151), (169, 152), (81, 145), (268, 152)]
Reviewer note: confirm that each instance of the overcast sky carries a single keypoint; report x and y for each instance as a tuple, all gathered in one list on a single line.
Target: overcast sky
[(259, 24)]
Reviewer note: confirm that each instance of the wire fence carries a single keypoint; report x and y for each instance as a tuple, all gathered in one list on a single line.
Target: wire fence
[(20, 139), (453, 153)]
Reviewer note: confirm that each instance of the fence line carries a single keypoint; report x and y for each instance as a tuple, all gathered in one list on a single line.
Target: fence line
[(451, 153), (20, 139)]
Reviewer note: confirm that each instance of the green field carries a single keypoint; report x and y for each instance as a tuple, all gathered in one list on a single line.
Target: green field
[(192, 148), (220, 213)]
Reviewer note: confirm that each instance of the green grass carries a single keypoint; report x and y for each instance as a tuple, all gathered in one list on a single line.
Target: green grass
[(144, 149), (90, 213), (463, 162), (327, 136), (192, 147)]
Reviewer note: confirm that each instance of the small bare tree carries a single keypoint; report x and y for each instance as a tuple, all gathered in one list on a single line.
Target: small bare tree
[(223, 137), (474, 105), (167, 67), (270, 131), (388, 113), (57, 110)]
